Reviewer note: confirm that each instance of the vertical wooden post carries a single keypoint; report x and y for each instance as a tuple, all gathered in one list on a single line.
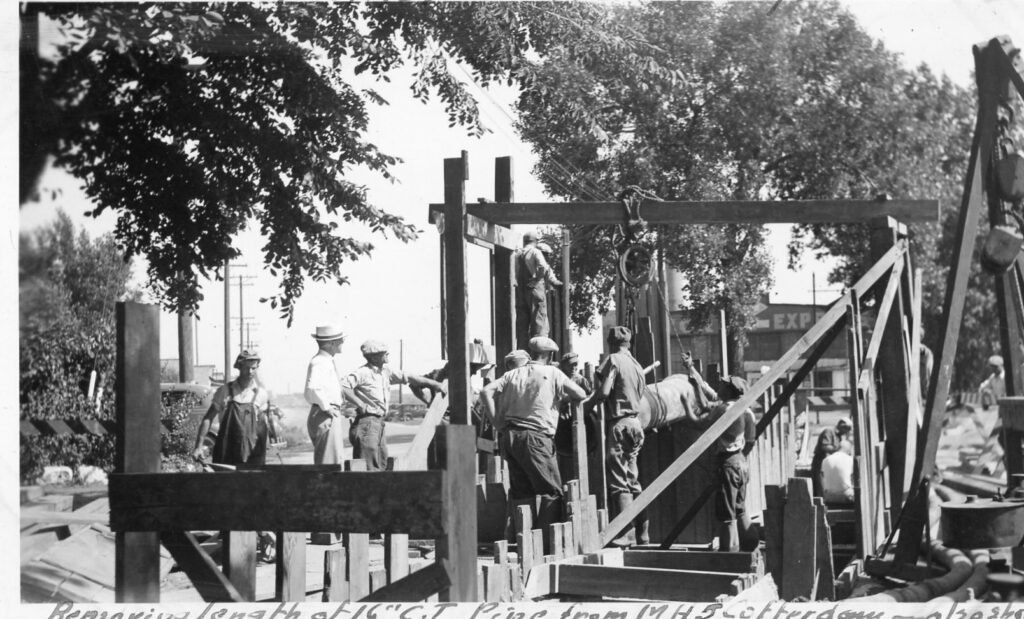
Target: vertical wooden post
[(566, 281), (290, 575), (453, 450), (664, 314), (240, 562), (504, 275), (894, 369), (227, 320), (579, 446), (137, 388), (455, 175), (186, 354)]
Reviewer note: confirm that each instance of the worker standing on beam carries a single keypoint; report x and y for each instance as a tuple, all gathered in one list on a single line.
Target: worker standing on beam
[(530, 396), (536, 274), (371, 384), (621, 388)]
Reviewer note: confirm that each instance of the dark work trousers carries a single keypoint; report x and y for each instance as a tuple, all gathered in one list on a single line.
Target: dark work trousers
[(367, 438), (532, 466), (539, 325), (625, 438), (732, 491)]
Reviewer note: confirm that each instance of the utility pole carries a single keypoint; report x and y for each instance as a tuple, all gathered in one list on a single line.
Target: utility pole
[(243, 281), (227, 321)]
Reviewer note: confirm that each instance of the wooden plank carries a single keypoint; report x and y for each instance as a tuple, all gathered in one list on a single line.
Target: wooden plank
[(378, 579), (417, 586), (240, 562), (201, 570), (335, 585), (416, 457), (357, 565), (290, 571), (825, 579), (504, 274), (893, 360), (402, 501), (501, 552), (709, 436), (591, 537), (641, 583), (492, 575), (453, 451), (396, 556), (524, 548), (799, 540), (706, 561), (523, 516), (708, 212), (538, 545), (555, 544), (137, 446), (455, 175)]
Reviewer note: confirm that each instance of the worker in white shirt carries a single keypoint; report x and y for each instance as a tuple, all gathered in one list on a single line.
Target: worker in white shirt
[(327, 425), (837, 476)]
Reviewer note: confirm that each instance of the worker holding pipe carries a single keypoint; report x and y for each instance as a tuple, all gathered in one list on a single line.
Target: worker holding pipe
[(621, 389), (733, 473)]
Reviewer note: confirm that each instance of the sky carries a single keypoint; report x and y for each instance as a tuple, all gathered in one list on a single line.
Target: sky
[(394, 295)]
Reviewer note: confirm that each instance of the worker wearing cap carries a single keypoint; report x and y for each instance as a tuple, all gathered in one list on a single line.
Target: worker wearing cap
[(245, 424), (371, 384), (994, 387), (529, 398), (326, 423), (621, 389), (733, 474), (536, 275), (570, 367)]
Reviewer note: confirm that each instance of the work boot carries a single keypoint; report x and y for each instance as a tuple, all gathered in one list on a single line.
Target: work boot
[(621, 502), (641, 526)]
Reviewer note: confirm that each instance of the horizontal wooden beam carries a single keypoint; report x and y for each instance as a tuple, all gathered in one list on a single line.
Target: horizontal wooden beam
[(480, 230), (707, 212), (705, 561), (642, 583), (366, 502)]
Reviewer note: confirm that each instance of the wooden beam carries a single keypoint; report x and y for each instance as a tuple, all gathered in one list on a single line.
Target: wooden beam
[(453, 451), (416, 457), (455, 175), (206, 577), (240, 562), (694, 451), (641, 583), (137, 446), (415, 587), (799, 541), (290, 572), (371, 502), (703, 561), (1012, 63), (503, 268), (708, 212)]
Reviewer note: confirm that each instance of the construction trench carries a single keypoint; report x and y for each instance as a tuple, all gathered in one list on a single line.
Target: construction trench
[(906, 538)]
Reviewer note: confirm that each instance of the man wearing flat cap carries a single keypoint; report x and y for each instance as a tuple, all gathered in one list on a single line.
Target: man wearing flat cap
[(529, 397), (326, 422), (535, 274), (621, 385), (242, 409), (730, 509), (371, 384)]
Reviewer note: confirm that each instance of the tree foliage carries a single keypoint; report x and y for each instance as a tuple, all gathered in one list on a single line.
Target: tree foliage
[(795, 103), (68, 285), (193, 121)]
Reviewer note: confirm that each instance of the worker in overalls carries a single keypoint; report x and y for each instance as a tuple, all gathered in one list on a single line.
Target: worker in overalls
[(621, 389), (243, 409), (535, 274)]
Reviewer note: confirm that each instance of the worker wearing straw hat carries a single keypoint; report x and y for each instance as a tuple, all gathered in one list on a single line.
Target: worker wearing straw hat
[(326, 423)]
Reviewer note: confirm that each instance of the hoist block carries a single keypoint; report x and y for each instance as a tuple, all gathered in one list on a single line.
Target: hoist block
[(1001, 247)]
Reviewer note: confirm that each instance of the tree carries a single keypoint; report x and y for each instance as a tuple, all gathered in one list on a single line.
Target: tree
[(68, 284), (787, 104), (194, 121)]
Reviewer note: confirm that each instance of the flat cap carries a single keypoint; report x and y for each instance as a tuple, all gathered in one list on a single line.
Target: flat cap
[(619, 334), (543, 344), (995, 360), (569, 357), (529, 237), (739, 384), (517, 355), (246, 355), (372, 347)]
